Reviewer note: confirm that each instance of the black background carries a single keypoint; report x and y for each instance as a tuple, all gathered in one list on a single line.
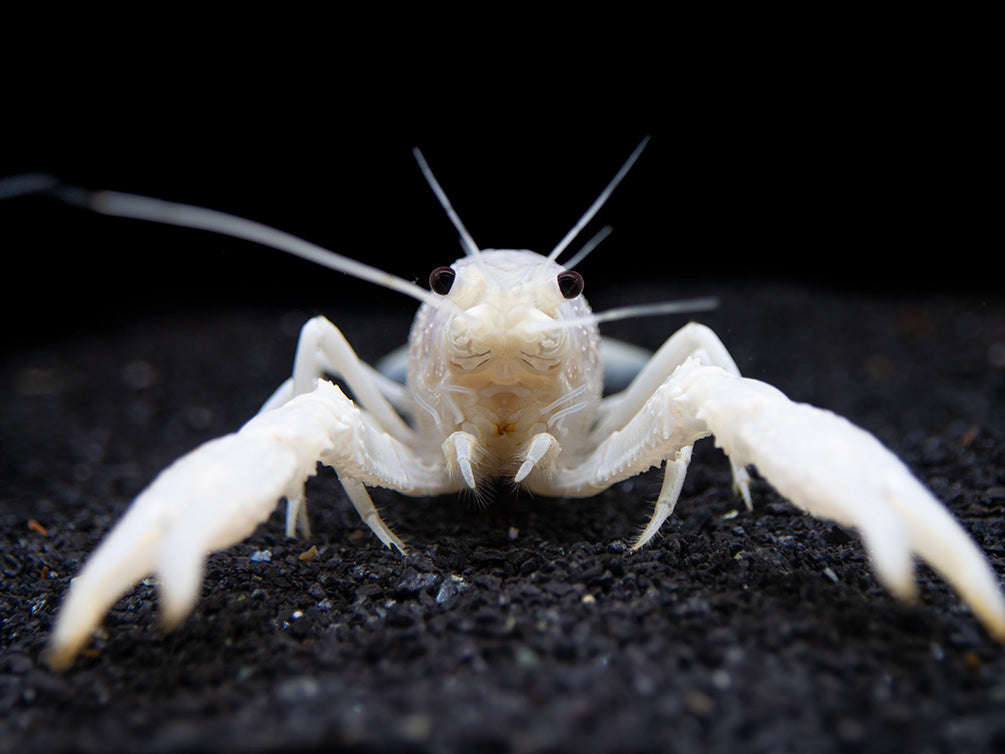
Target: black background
[(861, 170)]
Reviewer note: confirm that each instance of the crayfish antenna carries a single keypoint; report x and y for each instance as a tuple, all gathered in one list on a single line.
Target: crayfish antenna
[(467, 242), (137, 207), (598, 202)]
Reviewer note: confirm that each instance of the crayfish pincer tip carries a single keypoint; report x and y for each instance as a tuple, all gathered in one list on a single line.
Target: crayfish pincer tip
[(179, 579), (992, 615), (63, 648), (58, 659)]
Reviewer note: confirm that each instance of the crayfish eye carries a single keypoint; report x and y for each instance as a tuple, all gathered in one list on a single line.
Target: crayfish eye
[(570, 283), (441, 279)]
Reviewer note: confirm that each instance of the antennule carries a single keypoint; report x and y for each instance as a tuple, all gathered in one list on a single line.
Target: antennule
[(470, 247), (599, 201), (589, 246)]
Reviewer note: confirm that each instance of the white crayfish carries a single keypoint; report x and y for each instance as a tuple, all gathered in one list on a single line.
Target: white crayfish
[(505, 367)]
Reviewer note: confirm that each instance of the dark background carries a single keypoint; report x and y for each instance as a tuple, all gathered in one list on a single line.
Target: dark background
[(858, 169)]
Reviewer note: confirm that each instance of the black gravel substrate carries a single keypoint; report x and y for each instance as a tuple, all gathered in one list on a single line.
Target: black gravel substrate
[(522, 625)]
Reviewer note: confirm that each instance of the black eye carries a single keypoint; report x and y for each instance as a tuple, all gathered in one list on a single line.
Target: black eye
[(441, 279), (570, 283)]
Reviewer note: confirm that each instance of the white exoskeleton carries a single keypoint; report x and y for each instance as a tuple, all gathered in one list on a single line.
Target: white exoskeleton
[(505, 370)]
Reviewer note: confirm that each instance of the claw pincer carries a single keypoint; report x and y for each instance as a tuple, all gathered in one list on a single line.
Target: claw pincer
[(205, 501)]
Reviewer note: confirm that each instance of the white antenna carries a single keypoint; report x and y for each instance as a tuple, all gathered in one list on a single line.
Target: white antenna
[(589, 246), (630, 312), (467, 242), (599, 202), (470, 247), (138, 207)]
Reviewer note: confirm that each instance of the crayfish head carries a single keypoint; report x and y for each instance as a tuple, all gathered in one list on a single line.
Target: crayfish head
[(506, 327)]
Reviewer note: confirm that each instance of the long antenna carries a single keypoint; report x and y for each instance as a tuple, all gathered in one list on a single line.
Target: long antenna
[(654, 309), (120, 204)]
